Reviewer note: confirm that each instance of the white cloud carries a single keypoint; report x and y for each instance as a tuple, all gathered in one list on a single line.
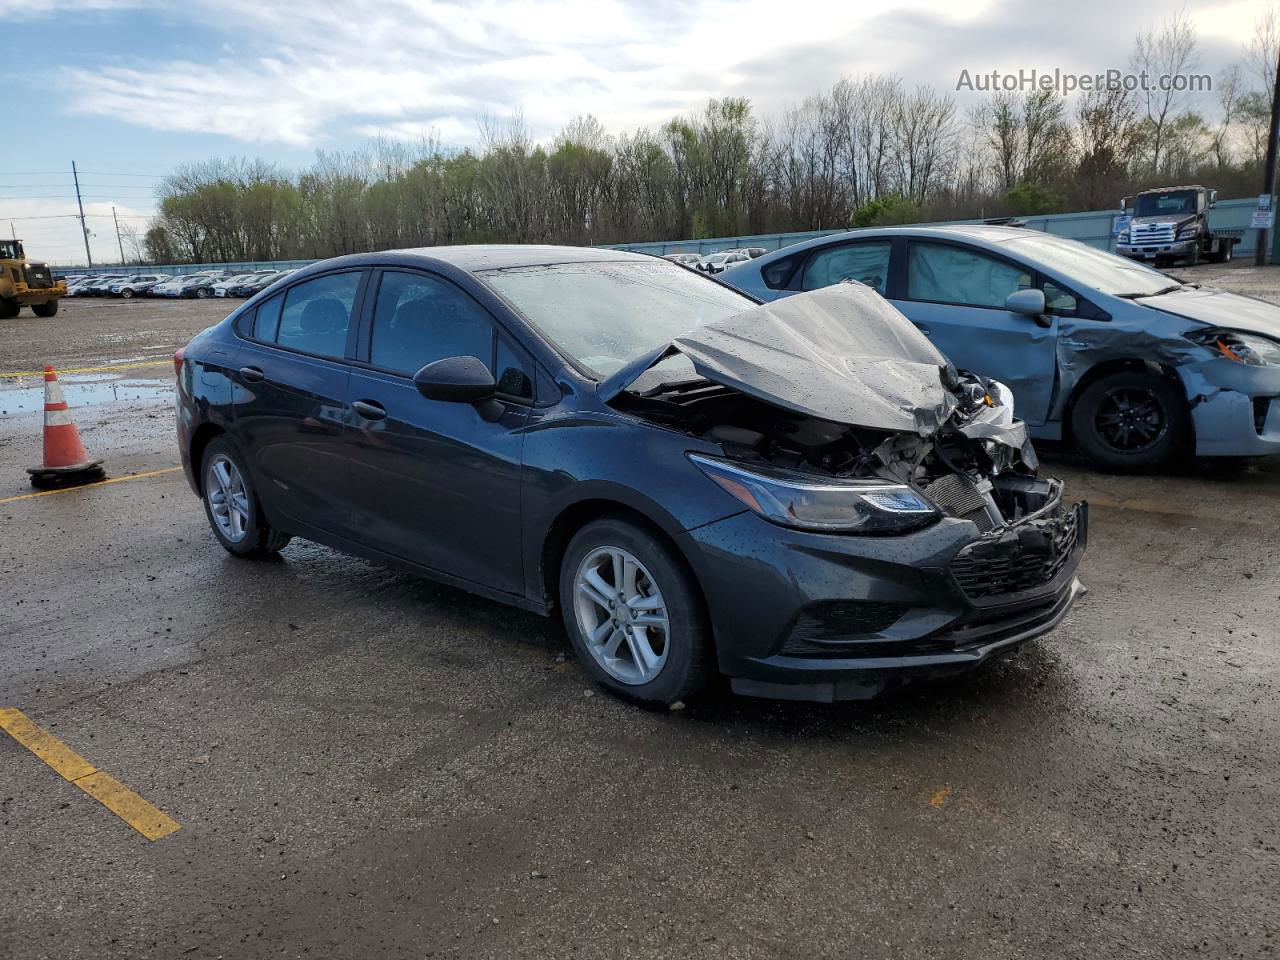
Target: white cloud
[(305, 76), (322, 73), (50, 230)]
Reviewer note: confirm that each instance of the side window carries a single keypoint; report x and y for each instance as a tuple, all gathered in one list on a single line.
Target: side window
[(1058, 300), (420, 319), (778, 274), (268, 319), (515, 373), (943, 273), (865, 262), (317, 313)]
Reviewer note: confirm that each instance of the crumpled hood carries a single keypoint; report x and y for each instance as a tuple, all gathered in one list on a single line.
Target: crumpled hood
[(841, 354), (1220, 309)]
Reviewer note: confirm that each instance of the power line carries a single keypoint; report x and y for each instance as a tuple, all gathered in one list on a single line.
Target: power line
[(98, 173)]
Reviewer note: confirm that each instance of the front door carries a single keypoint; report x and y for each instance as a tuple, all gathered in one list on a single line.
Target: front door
[(435, 482), (956, 293)]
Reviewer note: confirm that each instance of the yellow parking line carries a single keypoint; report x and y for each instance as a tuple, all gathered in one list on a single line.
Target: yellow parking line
[(85, 486), (148, 820), (111, 369)]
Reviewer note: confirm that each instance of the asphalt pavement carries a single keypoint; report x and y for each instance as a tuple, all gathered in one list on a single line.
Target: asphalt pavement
[(363, 764)]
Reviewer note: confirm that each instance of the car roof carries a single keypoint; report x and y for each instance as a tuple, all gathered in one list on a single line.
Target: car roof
[(487, 256)]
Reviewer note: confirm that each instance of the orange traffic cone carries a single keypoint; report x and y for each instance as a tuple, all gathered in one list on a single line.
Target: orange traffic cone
[(65, 460)]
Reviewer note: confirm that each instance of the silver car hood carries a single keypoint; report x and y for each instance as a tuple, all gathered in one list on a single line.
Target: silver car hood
[(1219, 309)]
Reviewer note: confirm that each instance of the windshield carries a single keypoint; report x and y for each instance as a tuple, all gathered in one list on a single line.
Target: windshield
[(1177, 203), (604, 314), (1092, 268)]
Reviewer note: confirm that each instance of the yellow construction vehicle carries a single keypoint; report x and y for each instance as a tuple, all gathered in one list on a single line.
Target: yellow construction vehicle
[(24, 283)]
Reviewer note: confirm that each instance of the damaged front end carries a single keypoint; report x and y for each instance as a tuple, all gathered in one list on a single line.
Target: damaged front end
[(828, 413), (835, 414)]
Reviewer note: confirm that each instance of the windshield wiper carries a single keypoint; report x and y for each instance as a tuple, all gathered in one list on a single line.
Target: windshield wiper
[(1160, 292)]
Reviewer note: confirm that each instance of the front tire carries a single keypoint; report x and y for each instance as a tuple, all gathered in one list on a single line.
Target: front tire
[(231, 505), (1132, 421), (49, 309), (127, 293), (8, 308), (633, 614), (203, 293)]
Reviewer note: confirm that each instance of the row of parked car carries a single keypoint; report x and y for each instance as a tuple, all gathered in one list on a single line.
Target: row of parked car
[(717, 262), (208, 283)]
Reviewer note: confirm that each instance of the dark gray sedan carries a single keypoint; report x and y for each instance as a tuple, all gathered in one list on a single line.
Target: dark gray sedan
[(805, 497)]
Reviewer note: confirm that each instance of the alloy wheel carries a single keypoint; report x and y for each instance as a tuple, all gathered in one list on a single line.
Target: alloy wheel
[(621, 615), (1131, 419), (227, 497)]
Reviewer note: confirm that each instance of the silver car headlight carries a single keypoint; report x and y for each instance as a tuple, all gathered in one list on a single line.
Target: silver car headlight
[(1247, 348), (828, 505)]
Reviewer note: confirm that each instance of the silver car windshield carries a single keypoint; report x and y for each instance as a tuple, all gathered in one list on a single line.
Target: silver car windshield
[(1095, 269), (604, 314)]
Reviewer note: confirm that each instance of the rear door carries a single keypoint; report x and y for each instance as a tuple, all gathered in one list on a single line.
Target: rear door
[(434, 482), (290, 398), (955, 294)]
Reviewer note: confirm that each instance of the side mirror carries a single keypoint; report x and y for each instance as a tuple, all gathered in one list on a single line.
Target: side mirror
[(460, 380), (1213, 199), (1027, 302), (1124, 203)]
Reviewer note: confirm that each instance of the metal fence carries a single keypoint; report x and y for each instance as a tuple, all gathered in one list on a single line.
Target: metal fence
[(1092, 227)]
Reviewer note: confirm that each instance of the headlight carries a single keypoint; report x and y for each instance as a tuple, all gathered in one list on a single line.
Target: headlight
[(1123, 236), (1244, 348), (1189, 233), (831, 506)]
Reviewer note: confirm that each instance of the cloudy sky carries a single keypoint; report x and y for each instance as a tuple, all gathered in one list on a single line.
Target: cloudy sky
[(130, 88)]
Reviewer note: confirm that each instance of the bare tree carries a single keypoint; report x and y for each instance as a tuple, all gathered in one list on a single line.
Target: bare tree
[(1160, 54)]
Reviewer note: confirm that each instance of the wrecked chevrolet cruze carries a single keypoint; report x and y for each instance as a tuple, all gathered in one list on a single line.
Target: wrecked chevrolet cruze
[(804, 496)]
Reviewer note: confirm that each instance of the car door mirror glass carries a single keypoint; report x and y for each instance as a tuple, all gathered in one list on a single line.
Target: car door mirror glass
[(1027, 302)]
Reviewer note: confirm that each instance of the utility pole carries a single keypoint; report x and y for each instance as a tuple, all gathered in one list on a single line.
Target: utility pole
[(1260, 256), (119, 242), (88, 256)]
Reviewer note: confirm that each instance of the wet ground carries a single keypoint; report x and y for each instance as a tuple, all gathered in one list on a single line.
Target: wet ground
[(368, 765)]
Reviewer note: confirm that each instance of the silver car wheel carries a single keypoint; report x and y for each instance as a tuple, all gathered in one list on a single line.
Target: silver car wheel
[(621, 615), (227, 497)]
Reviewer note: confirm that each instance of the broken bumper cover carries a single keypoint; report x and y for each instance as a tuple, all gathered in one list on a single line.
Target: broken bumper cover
[(804, 616), (1235, 408)]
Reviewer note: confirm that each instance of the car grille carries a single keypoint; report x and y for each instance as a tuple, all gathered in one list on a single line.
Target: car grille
[(1023, 558), (1151, 233), (38, 276)]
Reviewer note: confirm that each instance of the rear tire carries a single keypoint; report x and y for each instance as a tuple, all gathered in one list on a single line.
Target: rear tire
[(1131, 420), (645, 638), (49, 309), (203, 293), (1224, 253), (231, 504)]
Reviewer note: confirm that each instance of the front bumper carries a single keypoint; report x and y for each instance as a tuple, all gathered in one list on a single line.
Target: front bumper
[(1235, 408), (1151, 251), (805, 616)]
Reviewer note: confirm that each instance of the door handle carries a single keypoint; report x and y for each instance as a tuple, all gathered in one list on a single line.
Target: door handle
[(923, 328), (369, 410), (252, 374)]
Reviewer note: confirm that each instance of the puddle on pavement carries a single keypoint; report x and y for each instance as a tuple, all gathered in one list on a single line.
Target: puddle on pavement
[(82, 390)]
